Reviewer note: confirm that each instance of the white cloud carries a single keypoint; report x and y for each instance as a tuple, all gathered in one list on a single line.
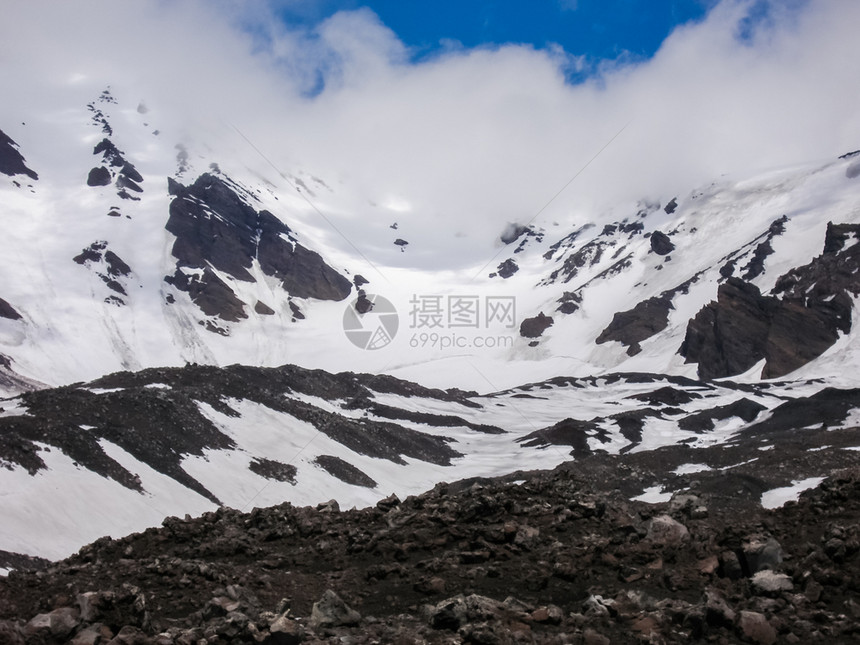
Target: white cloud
[(470, 139)]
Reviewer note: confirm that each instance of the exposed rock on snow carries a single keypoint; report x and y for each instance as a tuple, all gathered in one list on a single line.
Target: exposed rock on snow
[(535, 327), (215, 228), (811, 306), (661, 244), (8, 311), (506, 269), (11, 161)]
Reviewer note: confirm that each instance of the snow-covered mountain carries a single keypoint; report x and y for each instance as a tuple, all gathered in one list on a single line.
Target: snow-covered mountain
[(130, 247)]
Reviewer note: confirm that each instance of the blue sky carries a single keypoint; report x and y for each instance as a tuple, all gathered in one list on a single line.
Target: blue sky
[(596, 29)]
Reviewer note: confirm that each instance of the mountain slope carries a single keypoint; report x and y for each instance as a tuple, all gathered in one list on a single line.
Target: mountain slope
[(122, 452)]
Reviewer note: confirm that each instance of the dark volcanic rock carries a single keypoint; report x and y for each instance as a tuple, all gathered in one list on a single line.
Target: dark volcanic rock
[(661, 244), (106, 264), (161, 426), (275, 470), (811, 306), (344, 471), (99, 176), (568, 432), (11, 161), (215, 227), (210, 293), (553, 558), (263, 309), (535, 327), (643, 321), (110, 153), (672, 206), (703, 420), (755, 267), (8, 311), (507, 268)]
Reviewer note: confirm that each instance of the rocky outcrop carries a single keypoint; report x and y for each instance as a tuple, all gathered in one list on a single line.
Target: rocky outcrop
[(217, 230), (661, 244), (115, 168), (536, 326), (545, 559), (11, 161), (108, 266), (810, 307), (506, 269), (162, 426), (8, 311), (631, 327)]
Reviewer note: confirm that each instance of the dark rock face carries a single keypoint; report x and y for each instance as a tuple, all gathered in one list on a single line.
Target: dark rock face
[(263, 309), (661, 244), (507, 268), (274, 470), (211, 294), (344, 471), (107, 265), (704, 420), (535, 327), (99, 176), (568, 432), (643, 321), (811, 305), (647, 318), (11, 161), (159, 426), (672, 206), (729, 336), (116, 167), (8, 311), (215, 227)]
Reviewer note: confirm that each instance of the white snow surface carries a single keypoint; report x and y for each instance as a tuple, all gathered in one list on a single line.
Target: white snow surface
[(779, 496), (69, 333)]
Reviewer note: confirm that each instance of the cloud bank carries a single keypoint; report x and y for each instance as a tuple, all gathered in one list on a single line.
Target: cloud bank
[(456, 146)]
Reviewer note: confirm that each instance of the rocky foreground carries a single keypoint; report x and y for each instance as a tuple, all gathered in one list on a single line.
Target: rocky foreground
[(546, 558)]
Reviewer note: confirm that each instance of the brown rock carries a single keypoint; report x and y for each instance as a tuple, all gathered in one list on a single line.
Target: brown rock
[(754, 627), (666, 531), (58, 624), (709, 565), (645, 626), (331, 611), (591, 637), (284, 631)]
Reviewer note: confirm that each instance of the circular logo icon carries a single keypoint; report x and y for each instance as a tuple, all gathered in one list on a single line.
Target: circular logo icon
[(370, 322)]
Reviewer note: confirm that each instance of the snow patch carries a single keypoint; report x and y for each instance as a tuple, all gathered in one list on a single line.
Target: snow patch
[(653, 495), (689, 469), (777, 497)]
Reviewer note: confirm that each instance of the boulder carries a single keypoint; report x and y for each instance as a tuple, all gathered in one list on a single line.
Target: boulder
[(665, 531), (661, 244), (535, 327), (332, 611), (58, 624), (755, 628)]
